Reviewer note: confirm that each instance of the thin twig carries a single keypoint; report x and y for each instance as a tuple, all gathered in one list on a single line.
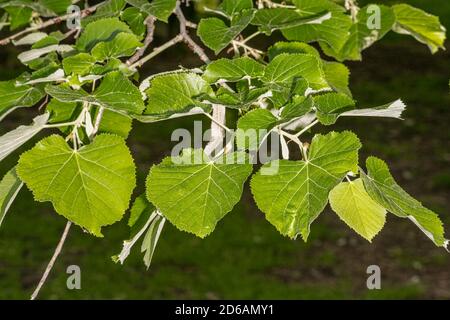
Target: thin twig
[(219, 111), (52, 260), (157, 51), (50, 22), (257, 33), (312, 124), (150, 22), (98, 120), (187, 38)]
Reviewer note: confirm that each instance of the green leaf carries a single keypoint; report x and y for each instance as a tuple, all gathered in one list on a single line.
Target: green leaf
[(116, 93), (424, 27), (14, 139), (34, 5), (61, 112), (90, 187), (390, 110), (232, 7), (299, 106), (330, 105), (193, 192), (363, 34), (19, 16), (10, 186), (108, 9), (243, 99), (285, 67), (151, 239), (113, 122), (135, 19), (156, 117), (143, 219), (333, 31), (15, 96), (30, 38), (291, 47), (80, 64), (337, 76), (52, 39), (216, 35), (100, 31), (271, 19), (123, 45), (28, 56), (254, 125), (284, 93), (356, 208), (160, 9), (57, 6), (381, 186), (233, 69), (140, 213), (174, 93), (292, 194)]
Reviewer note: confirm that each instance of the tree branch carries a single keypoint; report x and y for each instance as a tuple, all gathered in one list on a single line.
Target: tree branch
[(52, 260), (157, 51), (98, 120), (187, 38), (150, 22), (56, 20)]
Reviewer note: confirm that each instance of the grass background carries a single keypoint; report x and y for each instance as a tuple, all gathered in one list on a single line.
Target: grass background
[(245, 257)]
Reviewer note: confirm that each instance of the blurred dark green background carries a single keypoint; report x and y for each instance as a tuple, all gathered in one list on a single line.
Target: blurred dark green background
[(245, 257)]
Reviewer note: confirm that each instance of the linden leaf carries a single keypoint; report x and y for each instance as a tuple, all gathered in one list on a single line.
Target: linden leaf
[(381, 186), (12, 140), (193, 192), (217, 35), (116, 92), (423, 26), (292, 194), (10, 186), (91, 186), (356, 208)]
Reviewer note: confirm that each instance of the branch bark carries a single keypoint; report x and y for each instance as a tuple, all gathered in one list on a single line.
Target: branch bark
[(150, 22), (50, 22), (52, 260), (219, 111)]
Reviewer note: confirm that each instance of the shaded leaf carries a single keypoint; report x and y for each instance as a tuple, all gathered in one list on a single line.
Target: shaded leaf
[(14, 139), (216, 35), (123, 45), (10, 186), (271, 19), (160, 9), (423, 26), (381, 186), (175, 93), (99, 31), (15, 96), (233, 69), (252, 128), (330, 105), (285, 67), (116, 93)]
